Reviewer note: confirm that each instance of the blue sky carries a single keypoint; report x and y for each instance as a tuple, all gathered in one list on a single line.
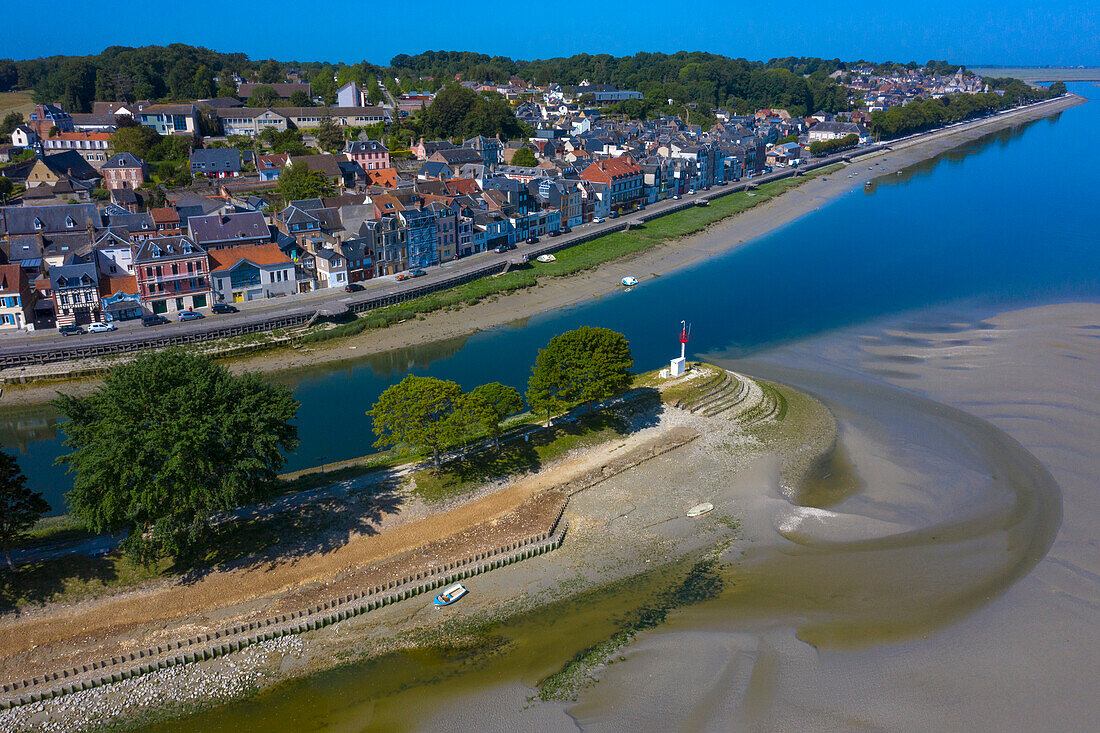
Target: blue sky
[(1005, 32)]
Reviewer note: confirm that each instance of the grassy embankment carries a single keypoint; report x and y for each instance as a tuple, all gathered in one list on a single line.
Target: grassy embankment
[(77, 577), (570, 261)]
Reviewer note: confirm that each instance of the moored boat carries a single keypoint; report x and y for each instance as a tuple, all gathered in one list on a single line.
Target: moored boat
[(629, 281), (546, 258), (450, 594), (700, 509)]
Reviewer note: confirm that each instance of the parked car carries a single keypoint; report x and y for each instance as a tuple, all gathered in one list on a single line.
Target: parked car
[(153, 320), (101, 327), (676, 197), (554, 233), (598, 220), (189, 316), (566, 230), (71, 330), (352, 288), (506, 247), (223, 308), (691, 192), (532, 240), (403, 276), (417, 273), (614, 215)]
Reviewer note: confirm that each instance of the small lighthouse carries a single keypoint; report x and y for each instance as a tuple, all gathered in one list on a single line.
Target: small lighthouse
[(677, 367)]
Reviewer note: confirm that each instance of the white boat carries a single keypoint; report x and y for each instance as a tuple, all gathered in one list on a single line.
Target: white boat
[(629, 281), (546, 258), (450, 594), (700, 509)]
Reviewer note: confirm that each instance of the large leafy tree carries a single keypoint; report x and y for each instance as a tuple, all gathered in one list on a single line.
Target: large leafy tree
[(524, 157), (20, 507), (579, 366), (297, 182), (488, 405), (11, 121), (137, 139), (329, 134), (263, 96), (421, 412), (167, 441)]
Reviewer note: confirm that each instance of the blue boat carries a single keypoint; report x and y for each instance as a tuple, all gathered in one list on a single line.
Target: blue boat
[(450, 594)]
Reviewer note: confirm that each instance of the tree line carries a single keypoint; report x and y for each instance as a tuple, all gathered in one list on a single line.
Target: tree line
[(172, 439), (930, 113), (434, 415), (824, 147)]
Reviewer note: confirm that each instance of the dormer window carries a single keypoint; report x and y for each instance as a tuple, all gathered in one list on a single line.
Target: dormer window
[(69, 222), (37, 223)]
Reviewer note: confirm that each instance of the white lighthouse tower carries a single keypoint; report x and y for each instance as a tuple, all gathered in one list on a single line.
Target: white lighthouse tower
[(677, 367)]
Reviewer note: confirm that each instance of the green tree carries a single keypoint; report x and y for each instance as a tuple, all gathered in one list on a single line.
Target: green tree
[(11, 121), (488, 405), (299, 98), (329, 134), (297, 181), (136, 139), (581, 365), (525, 157), (226, 86), (167, 441), (271, 72), (202, 84), (6, 189), (420, 412), (20, 507), (263, 96)]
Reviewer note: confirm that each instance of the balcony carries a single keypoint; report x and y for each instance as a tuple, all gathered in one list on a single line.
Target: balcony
[(168, 276)]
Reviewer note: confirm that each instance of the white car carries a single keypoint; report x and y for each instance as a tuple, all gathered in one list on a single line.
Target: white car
[(598, 220), (100, 327)]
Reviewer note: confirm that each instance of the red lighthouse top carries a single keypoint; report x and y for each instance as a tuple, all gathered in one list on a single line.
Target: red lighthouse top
[(684, 335)]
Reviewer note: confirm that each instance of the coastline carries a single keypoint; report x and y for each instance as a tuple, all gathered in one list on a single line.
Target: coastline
[(562, 292)]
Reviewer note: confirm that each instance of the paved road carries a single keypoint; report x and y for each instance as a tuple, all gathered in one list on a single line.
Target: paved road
[(259, 310)]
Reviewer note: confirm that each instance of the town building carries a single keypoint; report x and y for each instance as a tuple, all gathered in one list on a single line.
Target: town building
[(123, 170), (172, 274), (248, 273)]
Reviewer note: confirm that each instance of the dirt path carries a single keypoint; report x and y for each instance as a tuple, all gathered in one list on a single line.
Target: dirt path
[(46, 638)]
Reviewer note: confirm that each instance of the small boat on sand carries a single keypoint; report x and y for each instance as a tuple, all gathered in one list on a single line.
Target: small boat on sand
[(700, 509), (546, 258), (450, 594), (629, 281)]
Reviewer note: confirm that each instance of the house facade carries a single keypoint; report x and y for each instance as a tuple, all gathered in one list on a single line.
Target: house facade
[(123, 170), (16, 300), (171, 119), (216, 163), (74, 287), (369, 154), (622, 175), (173, 274), (241, 274)]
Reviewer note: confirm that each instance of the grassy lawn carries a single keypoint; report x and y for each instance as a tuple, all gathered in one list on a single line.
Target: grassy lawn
[(572, 260), (463, 475), (16, 102)]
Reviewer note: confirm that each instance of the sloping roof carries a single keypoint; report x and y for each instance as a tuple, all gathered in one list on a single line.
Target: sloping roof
[(109, 286), (21, 220), (326, 163), (167, 248), (12, 278), (228, 227), (165, 215), (361, 147), (259, 254), (227, 159), (461, 186)]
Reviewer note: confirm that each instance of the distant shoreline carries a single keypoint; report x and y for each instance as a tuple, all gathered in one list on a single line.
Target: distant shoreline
[(555, 293)]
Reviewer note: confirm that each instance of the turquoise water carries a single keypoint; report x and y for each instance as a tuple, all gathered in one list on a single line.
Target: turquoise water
[(1007, 221)]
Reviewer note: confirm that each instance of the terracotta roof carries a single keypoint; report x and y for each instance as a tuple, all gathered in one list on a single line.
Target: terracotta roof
[(259, 254), (164, 215), (459, 186), (123, 284), (83, 136), (12, 278)]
